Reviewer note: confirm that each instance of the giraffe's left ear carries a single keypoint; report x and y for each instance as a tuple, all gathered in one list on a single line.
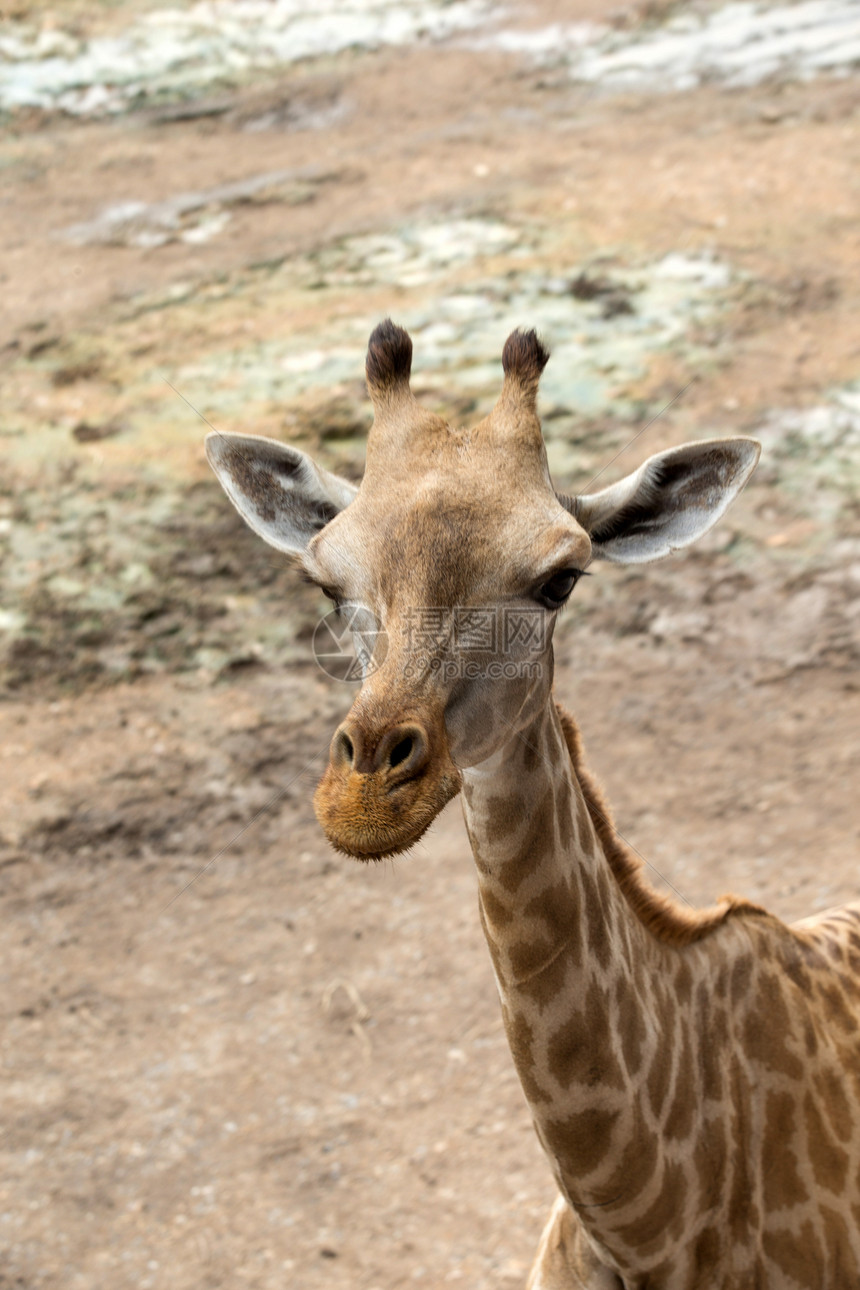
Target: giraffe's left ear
[(279, 491), (669, 502)]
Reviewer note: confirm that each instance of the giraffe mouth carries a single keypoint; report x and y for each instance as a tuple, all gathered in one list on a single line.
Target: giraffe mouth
[(367, 817)]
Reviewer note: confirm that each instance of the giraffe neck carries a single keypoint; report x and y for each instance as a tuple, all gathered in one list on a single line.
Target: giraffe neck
[(593, 1000)]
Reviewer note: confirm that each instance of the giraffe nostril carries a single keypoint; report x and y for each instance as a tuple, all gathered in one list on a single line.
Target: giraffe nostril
[(403, 752), (343, 753), (400, 751)]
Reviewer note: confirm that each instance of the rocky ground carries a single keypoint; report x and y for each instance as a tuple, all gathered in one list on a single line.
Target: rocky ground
[(230, 1057)]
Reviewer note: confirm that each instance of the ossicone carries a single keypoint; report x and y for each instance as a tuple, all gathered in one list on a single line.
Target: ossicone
[(523, 358), (389, 360)]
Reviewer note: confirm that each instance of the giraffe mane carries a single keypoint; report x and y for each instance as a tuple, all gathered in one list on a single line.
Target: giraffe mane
[(662, 916)]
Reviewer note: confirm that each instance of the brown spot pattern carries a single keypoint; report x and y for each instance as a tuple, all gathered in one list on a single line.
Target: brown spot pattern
[(637, 1161), (661, 1214), (582, 1140), (710, 1157), (712, 1030), (537, 842), (841, 1253), (707, 1250), (631, 1025), (557, 909), (783, 1186), (497, 914), (679, 1121), (830, 1088), (504, 817), (520, 1041), (659, 1076), (530, 958), (829, 1161), (683, 982), (835, 1007), (797, 1253), (767, 1033), (581, 1050)]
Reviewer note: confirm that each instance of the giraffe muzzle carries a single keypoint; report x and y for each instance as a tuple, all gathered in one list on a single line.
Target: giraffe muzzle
[(383, 789)]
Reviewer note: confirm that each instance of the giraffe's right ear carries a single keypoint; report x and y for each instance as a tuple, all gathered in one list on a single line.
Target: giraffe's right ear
[(670, 501), (279, 491)]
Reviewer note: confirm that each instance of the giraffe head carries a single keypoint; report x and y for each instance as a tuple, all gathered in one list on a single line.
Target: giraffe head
[(453, 557)]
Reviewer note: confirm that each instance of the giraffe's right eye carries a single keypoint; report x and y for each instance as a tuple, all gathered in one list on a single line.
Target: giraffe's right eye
[(556, 589)]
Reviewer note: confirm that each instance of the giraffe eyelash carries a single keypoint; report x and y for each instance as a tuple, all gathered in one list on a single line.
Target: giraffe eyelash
[(328, 592)]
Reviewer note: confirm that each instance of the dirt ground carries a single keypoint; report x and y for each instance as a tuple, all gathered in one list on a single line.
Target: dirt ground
[(231, 1058)]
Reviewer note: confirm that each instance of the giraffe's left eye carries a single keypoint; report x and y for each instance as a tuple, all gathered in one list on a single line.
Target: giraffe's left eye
[(556, 589), (330, 593)]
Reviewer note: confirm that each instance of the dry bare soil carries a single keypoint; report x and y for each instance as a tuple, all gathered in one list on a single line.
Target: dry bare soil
[(230, 1057)]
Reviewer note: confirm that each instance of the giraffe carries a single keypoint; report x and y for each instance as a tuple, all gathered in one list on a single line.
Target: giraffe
[(693, 1076)]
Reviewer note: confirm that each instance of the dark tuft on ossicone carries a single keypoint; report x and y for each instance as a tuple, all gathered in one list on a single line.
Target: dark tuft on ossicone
[(524, 358), (389, 356)]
